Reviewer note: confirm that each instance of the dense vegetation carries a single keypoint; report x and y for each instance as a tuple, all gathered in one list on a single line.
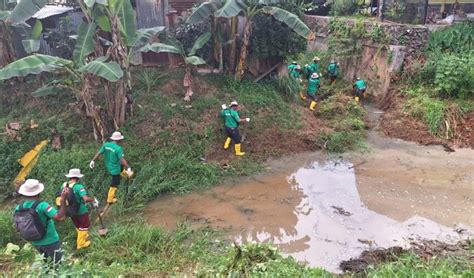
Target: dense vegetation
[(440, 88)]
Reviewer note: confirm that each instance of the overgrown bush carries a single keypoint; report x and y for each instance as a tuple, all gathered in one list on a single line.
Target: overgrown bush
[(441, 116), (346, 118), (272, 39), (7, 229), (343, 7), (454, 76), (458, 38), (188, 33), (289, 87)]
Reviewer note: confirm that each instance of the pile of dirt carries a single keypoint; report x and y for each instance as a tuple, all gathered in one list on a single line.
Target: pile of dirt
[(396, 123), (425, 250)]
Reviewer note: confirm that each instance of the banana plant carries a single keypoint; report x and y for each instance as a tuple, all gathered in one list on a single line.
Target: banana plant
[(250, 8), (189, 57), (89, 63), (13, 15)]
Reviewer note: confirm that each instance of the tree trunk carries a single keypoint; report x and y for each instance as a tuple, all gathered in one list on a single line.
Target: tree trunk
[(244, 50), (215, 41), (92, 111), (7, 52), (187, 83), (233, 36), (118, 53)]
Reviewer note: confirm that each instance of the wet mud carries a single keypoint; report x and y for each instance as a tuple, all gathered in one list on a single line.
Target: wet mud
[(424, 249), (314, 214)]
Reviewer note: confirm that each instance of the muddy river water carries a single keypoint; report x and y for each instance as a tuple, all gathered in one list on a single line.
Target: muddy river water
[(324, 210)]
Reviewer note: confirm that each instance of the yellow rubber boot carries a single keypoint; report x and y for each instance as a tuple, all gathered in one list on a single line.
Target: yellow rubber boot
[(312, 106), (357, 99), (238, 151), (83, 239), (227, 143), (111, 195), (302, 96)]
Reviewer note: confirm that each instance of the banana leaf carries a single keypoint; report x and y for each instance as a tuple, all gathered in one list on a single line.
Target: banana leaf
[(45, 91), (291, 20), (204, 11), (199, 43), (31, 46), (195, 60), (161, 47), (33, 64), (25, 9), (110, 71), (231, 8), (37, 30), (89, 3), (84, 42), (127, 20), (145, 34), (4, 15)]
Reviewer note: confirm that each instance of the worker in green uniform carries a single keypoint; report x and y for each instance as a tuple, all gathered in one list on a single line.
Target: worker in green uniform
[(114, 162), (34, 219), (312, 68), (78, 210), (231, 123), (312, 90), (333, 71), (295, 73), (359, 88), (292, 66)]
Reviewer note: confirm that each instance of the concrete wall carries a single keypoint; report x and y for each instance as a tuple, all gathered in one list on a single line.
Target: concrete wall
[(378, 63)]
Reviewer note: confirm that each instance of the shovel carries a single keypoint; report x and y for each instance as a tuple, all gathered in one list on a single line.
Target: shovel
[(102, 228)]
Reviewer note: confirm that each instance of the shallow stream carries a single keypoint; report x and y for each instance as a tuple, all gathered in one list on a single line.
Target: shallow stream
[(322, 211)]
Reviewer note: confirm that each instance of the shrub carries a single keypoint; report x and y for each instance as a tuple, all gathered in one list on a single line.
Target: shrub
[(455, 76), (272, 39), (289, 87), (343, 7), (7, 229), (431, 111), (456, 39), (342, 141)]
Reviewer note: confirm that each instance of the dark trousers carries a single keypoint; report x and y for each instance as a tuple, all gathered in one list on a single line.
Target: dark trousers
[(233, 133), (115, 180), (51, 252), (82, 222), (359, 92), (312, 97)]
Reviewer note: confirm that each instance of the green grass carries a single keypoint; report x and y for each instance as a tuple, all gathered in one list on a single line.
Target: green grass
[(165, 142), (346, 122), (135, 248), (411, 265), (431, 110)]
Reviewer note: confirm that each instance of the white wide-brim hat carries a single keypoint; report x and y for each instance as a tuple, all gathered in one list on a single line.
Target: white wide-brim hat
[(31, 187), (314, 75), (116, 136), (74, 173), (234, 103), (316, 58)]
